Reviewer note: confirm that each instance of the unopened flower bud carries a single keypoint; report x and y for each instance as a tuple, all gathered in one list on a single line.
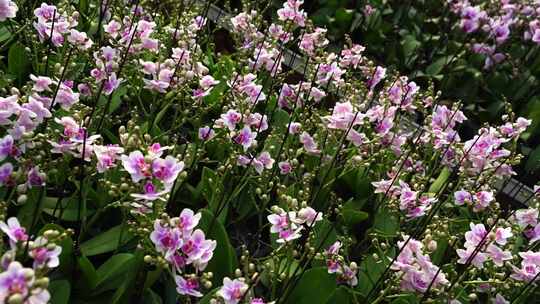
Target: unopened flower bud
[(22, 199), (50, 234), (28, 273), (42, 282), (238, 273), (15, 299), (432, 245)]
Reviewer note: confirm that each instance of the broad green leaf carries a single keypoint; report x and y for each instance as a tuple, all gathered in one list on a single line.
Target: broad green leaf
[(438, 65), (532, 111), (27, 214), (232, 253), (533, 160), (315, 286), (386, 223), (222, 262), (18, 61), (106, 241), (356, 182), (161, 114), (216, 94), (325, 234), (150, 297), (209, 296), (88, 273), (170, 295), (110, 136), (60, 291), (210, 182), (245, 203), (438, 255), (344, 18), (113, 272), (285, 266), (152, 277), (67, 209), (83, 6), (410, 46), (280, 118), (116, 99), (212, 191), (216, 150), (368, 274), (4, 34), (351, 213), (440, 181), (341, 295), (129, 285)]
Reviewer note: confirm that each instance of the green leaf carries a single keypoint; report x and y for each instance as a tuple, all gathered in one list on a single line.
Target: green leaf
[(532, 111), (285, 267), (113, 272), (386, 223), (83, 6), (222, 262), (440, 181), (152, 277), (150, 297), (161, 114), (4, 34), (410, 46), (351, 215), (18, 61), (368, 273), (438, 65), (209, 296), (130, 287), (344, 18), (67, 209), (325, 234), (533, 160), (281, 118), (106, 241), (438, 255), (315, 286), (245, 203), (356, 182), (170, 295), (341, 295), (216, 94), (27, 213), (110, 136), (60, 291), (116, 99), (212, 191), (89, 274), (210, 181)]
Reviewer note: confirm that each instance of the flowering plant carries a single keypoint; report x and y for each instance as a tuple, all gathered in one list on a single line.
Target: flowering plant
[(481, 52), (141, 161)]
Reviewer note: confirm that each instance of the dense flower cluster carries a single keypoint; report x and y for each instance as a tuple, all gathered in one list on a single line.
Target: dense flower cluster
[(479, 249), (498, 23), (181, 246), (415, 268), (289, 225), (345, 273), (19, 284), (230, 177)]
